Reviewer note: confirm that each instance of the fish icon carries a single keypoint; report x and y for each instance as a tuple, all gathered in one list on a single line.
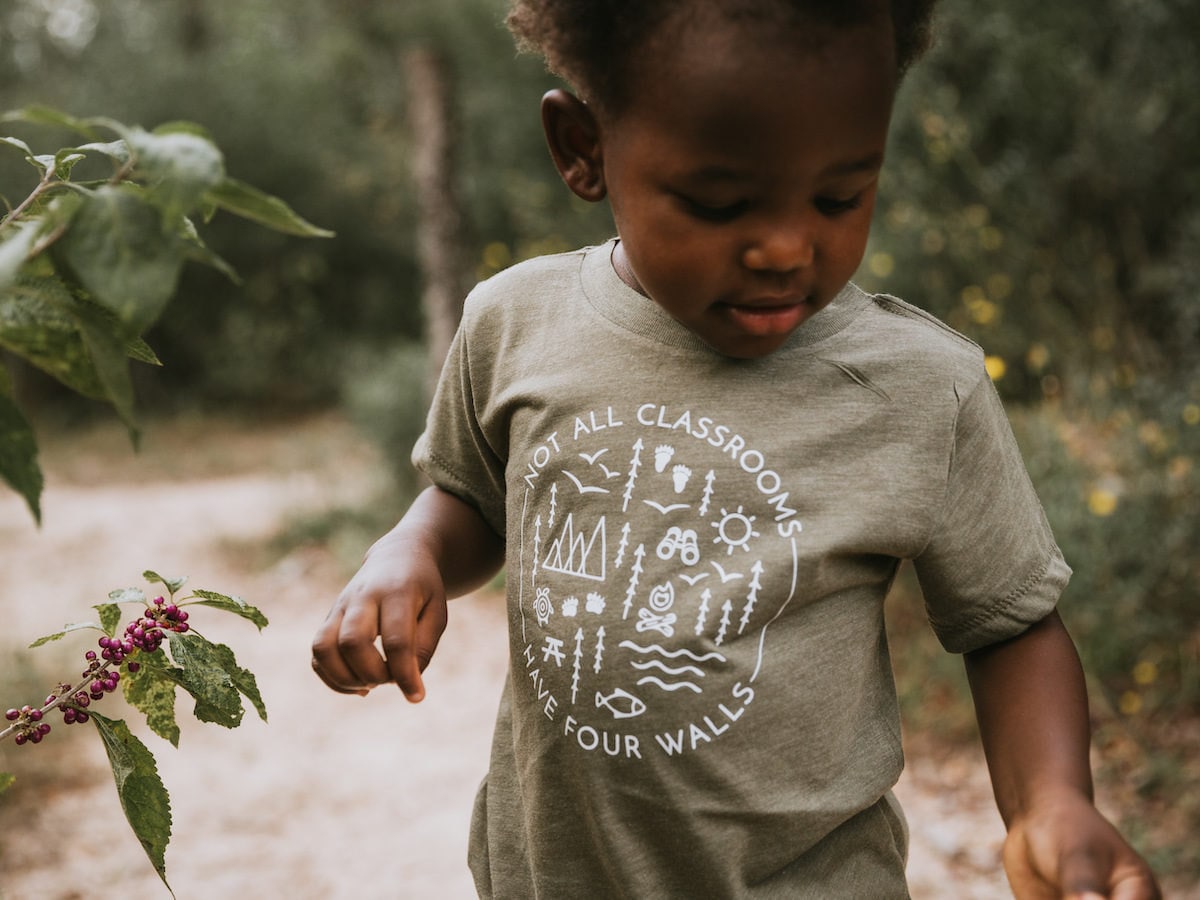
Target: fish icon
[(621, 703)]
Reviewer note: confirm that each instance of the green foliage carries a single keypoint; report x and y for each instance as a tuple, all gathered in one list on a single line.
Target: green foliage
[(327, 128), (142, 794), (86, 267), (208, 672)]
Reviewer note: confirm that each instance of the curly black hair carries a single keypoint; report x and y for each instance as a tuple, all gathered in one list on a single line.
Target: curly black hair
[(590, 43)]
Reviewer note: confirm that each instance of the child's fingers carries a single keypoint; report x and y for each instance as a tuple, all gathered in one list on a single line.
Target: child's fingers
[(327, 660), (409, 642), (356, 648)]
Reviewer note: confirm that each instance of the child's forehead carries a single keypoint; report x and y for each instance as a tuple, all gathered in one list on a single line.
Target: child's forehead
[(754, 100), (713, 61), (711, 41)]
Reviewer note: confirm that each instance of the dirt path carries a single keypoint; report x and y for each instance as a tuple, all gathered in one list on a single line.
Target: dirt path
[(337, 797)]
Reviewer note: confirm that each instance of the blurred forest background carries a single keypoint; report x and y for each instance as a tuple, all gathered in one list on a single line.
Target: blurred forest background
[(1040, 196)]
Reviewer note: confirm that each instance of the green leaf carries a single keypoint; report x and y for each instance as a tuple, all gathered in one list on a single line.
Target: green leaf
[(203, 675), (119, 251), (15, 250), (109, 355), (65, 160), (179, 167), (110, 617), (243, 679), (198, 251), (151, 690), (18, 451), (250, 203), (6, 781), (19, 144), (117, 151), (36, 323), (171, 584), (67, 629), (36, 114), (235, 605), (127, 595), (143, 797)]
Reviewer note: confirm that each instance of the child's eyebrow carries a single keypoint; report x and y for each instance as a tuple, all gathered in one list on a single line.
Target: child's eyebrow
[(870, 163), (717, 174)]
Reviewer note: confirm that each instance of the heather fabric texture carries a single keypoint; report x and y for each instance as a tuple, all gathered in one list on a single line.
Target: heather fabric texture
[(700, 700)]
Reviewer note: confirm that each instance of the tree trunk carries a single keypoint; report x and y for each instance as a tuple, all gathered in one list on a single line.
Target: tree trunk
[(441, 241)]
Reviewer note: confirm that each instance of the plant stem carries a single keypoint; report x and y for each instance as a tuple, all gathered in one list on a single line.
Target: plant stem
[(65, 697), (43, 186)]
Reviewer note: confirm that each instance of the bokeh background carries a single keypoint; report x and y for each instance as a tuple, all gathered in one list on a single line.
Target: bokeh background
[(1041, 195)]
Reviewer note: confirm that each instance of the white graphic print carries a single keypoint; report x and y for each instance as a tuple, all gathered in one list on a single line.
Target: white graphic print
[(654, 641)]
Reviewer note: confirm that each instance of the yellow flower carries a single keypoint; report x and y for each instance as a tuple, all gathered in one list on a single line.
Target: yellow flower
[(996, 367), (1130, 703), (1102, 502), (1191, 414), (1145, 672)]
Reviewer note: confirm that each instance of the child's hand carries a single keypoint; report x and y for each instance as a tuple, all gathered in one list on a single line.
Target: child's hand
[(1066, 848), (442, 548), (399, 599)]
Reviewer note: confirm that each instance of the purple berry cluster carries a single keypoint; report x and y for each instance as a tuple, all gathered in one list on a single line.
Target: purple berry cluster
[(147, 632), (30, 727), (143, 635)]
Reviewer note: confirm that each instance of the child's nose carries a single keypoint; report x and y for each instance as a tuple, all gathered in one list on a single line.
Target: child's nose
[(782, 249)]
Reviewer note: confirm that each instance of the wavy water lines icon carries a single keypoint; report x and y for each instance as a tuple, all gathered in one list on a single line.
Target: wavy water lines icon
[(677, 672), (668, 670)]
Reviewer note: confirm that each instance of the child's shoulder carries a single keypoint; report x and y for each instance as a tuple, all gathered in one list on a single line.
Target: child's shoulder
[(527, 283), (909, 332)]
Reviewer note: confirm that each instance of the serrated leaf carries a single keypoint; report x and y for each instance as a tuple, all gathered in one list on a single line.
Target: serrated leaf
[(235, 605), (6, 781), (171, 584), (119, 251), (67, 629), (110, 617), (178, 167), (249, 202), (243, 679), (151, 690), (144, 799), (127, 595), (18, 452), (204, 677)]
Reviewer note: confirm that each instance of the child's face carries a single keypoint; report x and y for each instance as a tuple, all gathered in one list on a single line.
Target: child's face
[(742, 174)]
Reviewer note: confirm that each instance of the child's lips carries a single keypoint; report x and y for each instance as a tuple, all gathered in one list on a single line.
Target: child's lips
[(766, 316)]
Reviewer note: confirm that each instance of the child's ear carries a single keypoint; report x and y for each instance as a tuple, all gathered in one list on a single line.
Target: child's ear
[(574, 138)]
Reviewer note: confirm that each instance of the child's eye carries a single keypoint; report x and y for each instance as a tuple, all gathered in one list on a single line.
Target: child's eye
[(726, 212), (832, 206)]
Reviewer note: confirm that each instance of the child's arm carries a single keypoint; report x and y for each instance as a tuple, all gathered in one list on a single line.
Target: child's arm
[(1031, 703), (441, 548)]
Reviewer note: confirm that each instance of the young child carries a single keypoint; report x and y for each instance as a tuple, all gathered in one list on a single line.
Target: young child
[(702, 453)]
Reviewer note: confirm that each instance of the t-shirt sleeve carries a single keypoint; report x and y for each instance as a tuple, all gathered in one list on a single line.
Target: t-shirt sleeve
[(454, 451), (992, 567)]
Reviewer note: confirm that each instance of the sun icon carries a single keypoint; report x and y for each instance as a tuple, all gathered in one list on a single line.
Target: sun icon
[(735, 530)]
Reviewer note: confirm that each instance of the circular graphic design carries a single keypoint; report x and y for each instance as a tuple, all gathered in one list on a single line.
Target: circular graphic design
[(657, 547)]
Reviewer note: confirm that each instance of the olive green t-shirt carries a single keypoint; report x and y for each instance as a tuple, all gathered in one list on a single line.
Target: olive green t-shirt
[(700, 700)]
